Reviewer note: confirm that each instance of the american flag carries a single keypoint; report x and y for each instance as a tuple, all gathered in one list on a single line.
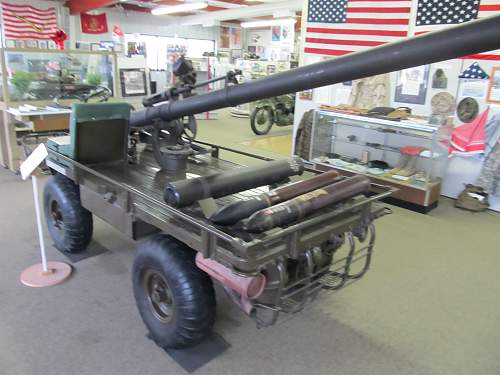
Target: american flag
[(433, 15), (27, 22), (339, 27)]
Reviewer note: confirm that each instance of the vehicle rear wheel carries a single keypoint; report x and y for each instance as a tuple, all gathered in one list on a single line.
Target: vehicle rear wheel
[(261, 120), (69, 224), (175, 298)]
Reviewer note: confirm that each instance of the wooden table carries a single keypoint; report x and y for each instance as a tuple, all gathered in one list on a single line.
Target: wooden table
[(42, 120)]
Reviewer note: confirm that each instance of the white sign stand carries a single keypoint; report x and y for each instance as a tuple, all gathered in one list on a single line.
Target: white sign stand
[(45, 273)]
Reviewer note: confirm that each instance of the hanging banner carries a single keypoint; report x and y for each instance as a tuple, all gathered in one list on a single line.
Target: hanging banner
[(27, 22), (94, 24)]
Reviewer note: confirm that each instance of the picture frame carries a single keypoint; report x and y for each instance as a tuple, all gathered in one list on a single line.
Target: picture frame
[(133, 82), (411, 85), (493, 96), (31, 44)]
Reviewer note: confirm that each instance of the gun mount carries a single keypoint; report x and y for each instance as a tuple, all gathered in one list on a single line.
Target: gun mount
[(454, 42), (171, 139)]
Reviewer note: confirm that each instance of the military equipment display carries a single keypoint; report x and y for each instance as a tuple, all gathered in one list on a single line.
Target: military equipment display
[(232, 213), (185, 192), (266, 273), (297, 208), (267, 112)]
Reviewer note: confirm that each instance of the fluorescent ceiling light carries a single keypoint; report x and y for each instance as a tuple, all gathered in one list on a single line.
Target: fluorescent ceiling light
[(264, 23), (177, 8)]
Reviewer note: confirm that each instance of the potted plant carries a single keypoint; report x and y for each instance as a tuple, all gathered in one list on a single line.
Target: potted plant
[(21, 81), (94, 79)]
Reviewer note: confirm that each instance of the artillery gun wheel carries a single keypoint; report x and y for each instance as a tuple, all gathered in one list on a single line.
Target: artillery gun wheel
[(261, 120), (69, 224), (175, 298)]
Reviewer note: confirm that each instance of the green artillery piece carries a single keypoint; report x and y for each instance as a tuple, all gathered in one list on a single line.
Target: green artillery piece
[(301, 239)]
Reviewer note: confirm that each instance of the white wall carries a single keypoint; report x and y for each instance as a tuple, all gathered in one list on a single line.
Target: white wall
[(140, 23)]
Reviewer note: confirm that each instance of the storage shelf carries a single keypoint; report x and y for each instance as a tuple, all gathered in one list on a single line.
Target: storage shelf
[(382, 147), (386, 177)]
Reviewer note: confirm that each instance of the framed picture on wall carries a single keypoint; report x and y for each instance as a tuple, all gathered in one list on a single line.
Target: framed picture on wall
[(494, 87), (31, 44), (225, 37), (411, 85), (133, 82)]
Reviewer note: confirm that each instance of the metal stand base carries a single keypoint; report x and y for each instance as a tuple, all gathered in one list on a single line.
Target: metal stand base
[(35, 277)]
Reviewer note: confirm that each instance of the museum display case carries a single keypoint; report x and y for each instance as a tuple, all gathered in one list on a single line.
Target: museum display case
[(30, 75), (404, 154)]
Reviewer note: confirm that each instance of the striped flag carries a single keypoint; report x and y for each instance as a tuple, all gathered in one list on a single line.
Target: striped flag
[(339, 27), (27, 22), (433, 15)]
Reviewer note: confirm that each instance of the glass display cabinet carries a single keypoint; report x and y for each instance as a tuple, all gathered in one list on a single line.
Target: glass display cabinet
[(407, 155), (45, 75), (38, 86)]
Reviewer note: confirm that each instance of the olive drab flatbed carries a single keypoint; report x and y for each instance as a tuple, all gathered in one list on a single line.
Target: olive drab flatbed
[(144, 173)]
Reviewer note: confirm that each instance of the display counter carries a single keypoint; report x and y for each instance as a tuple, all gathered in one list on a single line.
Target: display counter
[(407, 155)]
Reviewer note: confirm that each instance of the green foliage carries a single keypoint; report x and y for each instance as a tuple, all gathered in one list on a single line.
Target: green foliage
[(22, 81), (94, 79)]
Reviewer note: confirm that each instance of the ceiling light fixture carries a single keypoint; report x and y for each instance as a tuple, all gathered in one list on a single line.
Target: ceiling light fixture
[(177, 8), (264, 23)]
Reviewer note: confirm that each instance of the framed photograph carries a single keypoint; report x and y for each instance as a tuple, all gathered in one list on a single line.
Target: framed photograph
[(494, 87), (275, 33), (133, 82), (31, 44), (235, 39), (411, 85), (225, 37)]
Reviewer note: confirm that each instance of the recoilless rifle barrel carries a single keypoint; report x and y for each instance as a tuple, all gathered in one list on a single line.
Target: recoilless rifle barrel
[(185, 192), (453, 42)]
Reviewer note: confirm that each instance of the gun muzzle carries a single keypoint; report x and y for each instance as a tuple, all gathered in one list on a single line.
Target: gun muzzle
[(297, 208), (185, 192), (234, 212)]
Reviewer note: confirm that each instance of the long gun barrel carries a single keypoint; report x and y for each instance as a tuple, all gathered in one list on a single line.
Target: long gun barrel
[(185, 192), (462, 40)]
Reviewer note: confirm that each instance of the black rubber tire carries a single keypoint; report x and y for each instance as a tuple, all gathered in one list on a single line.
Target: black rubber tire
[(253, 119), (191, 293), (76, 232)]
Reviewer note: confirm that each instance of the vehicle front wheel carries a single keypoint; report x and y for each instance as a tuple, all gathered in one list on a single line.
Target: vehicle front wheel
[(175, 298), (69, 224), (261, 120)]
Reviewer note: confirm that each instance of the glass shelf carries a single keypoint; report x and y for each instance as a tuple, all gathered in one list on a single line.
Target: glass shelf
[(375, 139)]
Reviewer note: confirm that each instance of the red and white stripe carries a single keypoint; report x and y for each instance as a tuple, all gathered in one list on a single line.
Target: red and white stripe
[(368, 24), (15, 28), (487, 8)]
